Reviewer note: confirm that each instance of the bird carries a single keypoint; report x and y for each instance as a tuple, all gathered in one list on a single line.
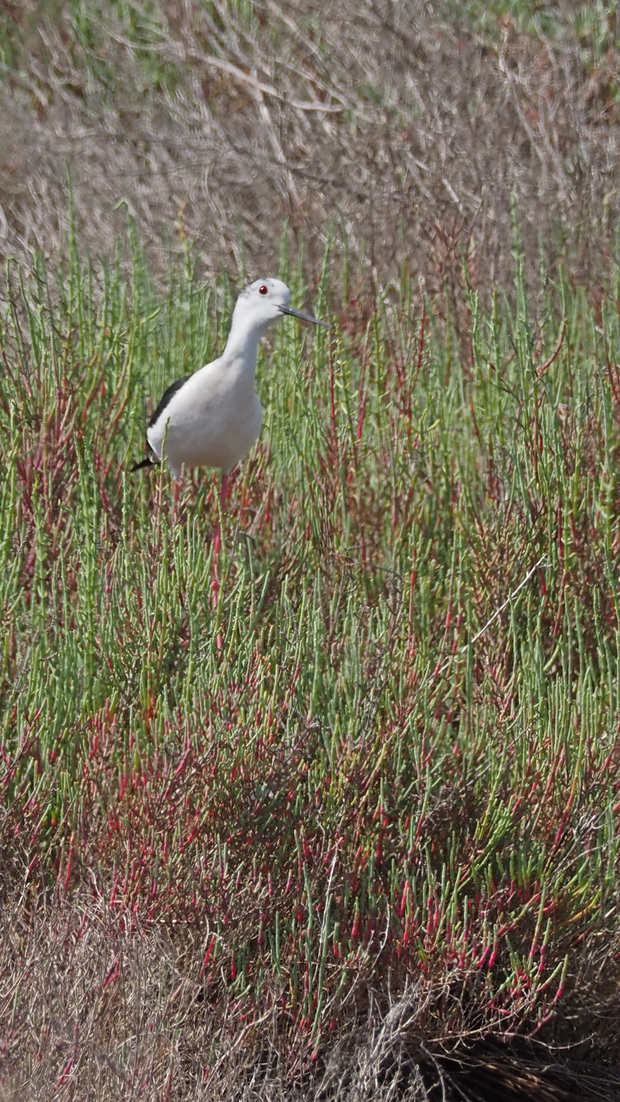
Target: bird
[(213, 417)]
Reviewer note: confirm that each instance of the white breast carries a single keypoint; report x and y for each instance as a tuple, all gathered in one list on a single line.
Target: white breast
[(212, 421)]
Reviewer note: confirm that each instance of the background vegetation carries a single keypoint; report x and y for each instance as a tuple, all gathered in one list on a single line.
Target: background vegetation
[(412, 126), (336, 814)]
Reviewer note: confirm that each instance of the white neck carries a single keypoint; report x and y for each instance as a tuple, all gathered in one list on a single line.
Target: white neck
[(242, 345)]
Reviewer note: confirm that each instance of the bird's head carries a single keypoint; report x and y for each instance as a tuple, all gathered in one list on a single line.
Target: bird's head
[(263, 302)]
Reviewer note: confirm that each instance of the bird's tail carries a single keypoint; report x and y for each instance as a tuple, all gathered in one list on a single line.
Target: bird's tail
[(148, 462)]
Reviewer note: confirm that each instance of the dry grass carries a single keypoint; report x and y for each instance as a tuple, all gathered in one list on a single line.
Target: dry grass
[(406, 132), (125, 1014)]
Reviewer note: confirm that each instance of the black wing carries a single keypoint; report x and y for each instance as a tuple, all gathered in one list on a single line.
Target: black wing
[(167, 395), (151, 459)]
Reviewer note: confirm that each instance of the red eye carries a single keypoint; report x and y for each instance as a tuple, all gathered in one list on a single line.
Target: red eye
[(264, 290)]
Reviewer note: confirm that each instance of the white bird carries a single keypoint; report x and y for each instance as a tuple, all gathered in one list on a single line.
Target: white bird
[(212, 418)]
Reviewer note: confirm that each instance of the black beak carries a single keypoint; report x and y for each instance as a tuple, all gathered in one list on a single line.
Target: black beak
[(303, 317)]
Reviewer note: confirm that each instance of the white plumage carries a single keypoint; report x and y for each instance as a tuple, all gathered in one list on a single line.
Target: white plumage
[(212, 418)]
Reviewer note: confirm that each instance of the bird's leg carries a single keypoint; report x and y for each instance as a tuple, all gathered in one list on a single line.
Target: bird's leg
[(176, 496), (217, 544), (217, 534), (224, 491)]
